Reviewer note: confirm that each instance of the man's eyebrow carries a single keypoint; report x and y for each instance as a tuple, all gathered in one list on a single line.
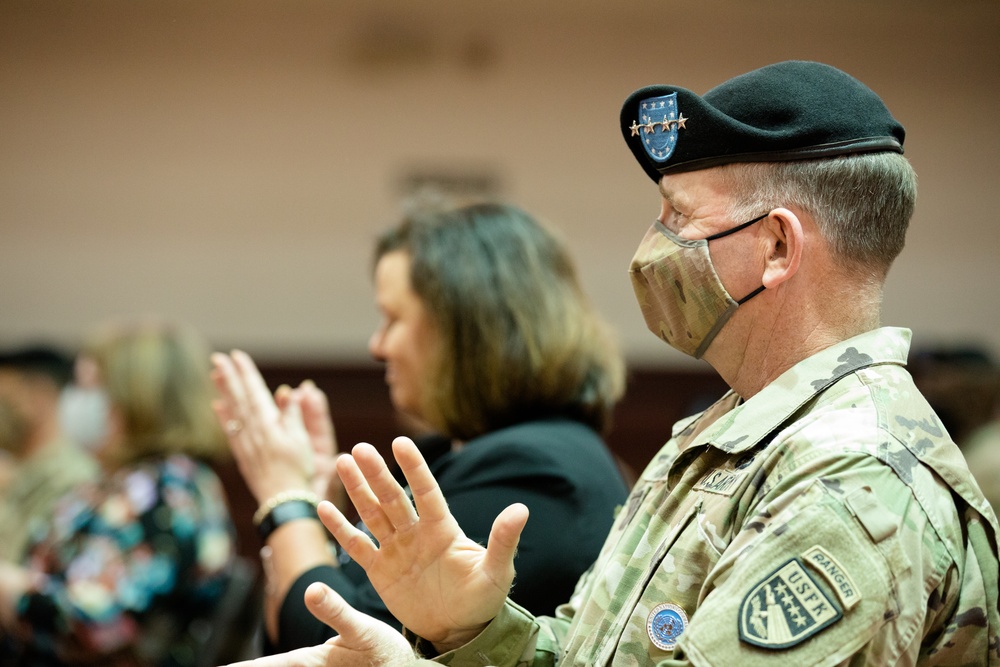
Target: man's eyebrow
[(670, 197)]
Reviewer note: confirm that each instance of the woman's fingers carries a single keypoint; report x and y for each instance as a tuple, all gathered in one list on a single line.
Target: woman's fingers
[(241, 419), (227, 382), (291, 418), (282, 395), (316, 417), (227, 407), (255, 392)]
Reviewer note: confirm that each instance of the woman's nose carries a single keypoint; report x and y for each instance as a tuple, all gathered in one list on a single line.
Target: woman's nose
[(375, 344)]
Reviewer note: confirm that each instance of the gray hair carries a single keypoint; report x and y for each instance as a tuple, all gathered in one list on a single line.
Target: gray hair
[(861, 203)]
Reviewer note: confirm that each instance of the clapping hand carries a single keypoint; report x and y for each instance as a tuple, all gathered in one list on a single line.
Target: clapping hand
[(280, 443), (316, 419), (284, 447), (440, 584)]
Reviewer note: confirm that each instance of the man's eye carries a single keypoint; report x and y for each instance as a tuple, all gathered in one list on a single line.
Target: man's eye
[(675, 219)]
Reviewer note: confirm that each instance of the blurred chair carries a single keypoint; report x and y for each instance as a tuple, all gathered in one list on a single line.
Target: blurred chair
[(229, 635)]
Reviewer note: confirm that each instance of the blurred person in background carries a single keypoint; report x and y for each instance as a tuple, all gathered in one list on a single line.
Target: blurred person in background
[(963, 385), (132, 567), (982, 451), (43, 463), (488, 341), (83, 405)]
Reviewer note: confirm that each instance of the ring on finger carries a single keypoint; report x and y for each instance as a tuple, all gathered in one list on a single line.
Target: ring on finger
[(234, 426)]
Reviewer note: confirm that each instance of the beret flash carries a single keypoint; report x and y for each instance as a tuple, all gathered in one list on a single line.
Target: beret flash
[(793, 110)]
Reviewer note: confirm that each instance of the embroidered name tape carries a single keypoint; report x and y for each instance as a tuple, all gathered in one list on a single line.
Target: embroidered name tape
[(722, 482)]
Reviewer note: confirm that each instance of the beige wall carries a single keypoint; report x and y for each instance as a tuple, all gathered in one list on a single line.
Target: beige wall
[(228, 163)]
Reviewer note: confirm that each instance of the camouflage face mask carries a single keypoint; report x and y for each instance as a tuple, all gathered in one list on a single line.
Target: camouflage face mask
[(681, 297)]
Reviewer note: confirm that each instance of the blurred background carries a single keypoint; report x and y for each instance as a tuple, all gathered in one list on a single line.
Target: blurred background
[(228, 163)]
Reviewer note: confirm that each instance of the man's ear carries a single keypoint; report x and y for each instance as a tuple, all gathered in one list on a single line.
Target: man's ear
[(786, 246)]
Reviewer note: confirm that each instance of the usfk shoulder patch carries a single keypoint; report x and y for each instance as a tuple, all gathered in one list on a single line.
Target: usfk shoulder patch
[(665, 624), (786, 608)]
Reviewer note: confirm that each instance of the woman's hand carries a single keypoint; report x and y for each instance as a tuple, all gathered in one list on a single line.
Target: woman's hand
[(271, 444), (318, 424), (440, 584)]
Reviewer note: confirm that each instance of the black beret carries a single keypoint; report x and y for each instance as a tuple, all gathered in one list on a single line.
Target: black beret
[(793, 110)]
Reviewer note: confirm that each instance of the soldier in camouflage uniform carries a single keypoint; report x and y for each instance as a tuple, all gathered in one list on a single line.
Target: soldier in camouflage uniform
[(818, 514)]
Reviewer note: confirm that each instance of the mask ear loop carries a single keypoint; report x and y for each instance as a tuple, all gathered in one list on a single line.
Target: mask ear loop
[(750, 295), (737, 228), (733, 231)]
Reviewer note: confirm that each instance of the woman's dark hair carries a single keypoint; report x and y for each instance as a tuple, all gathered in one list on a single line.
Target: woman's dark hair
[(517, 338)]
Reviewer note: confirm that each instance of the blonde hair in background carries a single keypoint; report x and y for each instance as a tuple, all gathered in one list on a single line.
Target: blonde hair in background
[(156, 375)]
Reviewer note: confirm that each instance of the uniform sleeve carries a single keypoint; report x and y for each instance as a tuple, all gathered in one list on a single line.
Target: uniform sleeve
[(825, 573), (514, 638), (107, 565)]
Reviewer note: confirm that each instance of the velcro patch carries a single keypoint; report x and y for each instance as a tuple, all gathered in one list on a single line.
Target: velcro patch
[(785, 608)]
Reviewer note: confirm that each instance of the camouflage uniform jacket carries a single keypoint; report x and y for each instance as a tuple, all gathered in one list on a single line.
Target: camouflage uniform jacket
[(827, 520)]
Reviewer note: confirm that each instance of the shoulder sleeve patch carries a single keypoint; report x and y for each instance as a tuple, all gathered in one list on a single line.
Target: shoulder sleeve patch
[(840, 581), (786, 608)]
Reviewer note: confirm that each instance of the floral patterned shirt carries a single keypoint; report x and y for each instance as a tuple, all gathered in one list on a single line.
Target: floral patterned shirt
[(131, 569)]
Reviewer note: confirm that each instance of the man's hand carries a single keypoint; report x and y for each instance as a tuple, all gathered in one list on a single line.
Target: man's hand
[(440, 584), (363, 640)]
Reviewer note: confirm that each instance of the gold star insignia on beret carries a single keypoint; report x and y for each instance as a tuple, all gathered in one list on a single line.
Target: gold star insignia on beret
[(682, 122), (635, 128)]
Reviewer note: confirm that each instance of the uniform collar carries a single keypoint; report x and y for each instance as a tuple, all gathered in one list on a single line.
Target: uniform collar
[(748, 423)]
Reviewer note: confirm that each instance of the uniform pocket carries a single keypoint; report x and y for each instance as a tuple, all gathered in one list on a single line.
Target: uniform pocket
[(812, 589)]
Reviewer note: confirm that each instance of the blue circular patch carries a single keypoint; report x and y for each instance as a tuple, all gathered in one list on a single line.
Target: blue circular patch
[(665, 624)]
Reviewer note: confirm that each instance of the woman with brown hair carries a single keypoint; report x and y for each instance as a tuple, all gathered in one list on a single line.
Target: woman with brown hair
[(130, 569), (489, 342)]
